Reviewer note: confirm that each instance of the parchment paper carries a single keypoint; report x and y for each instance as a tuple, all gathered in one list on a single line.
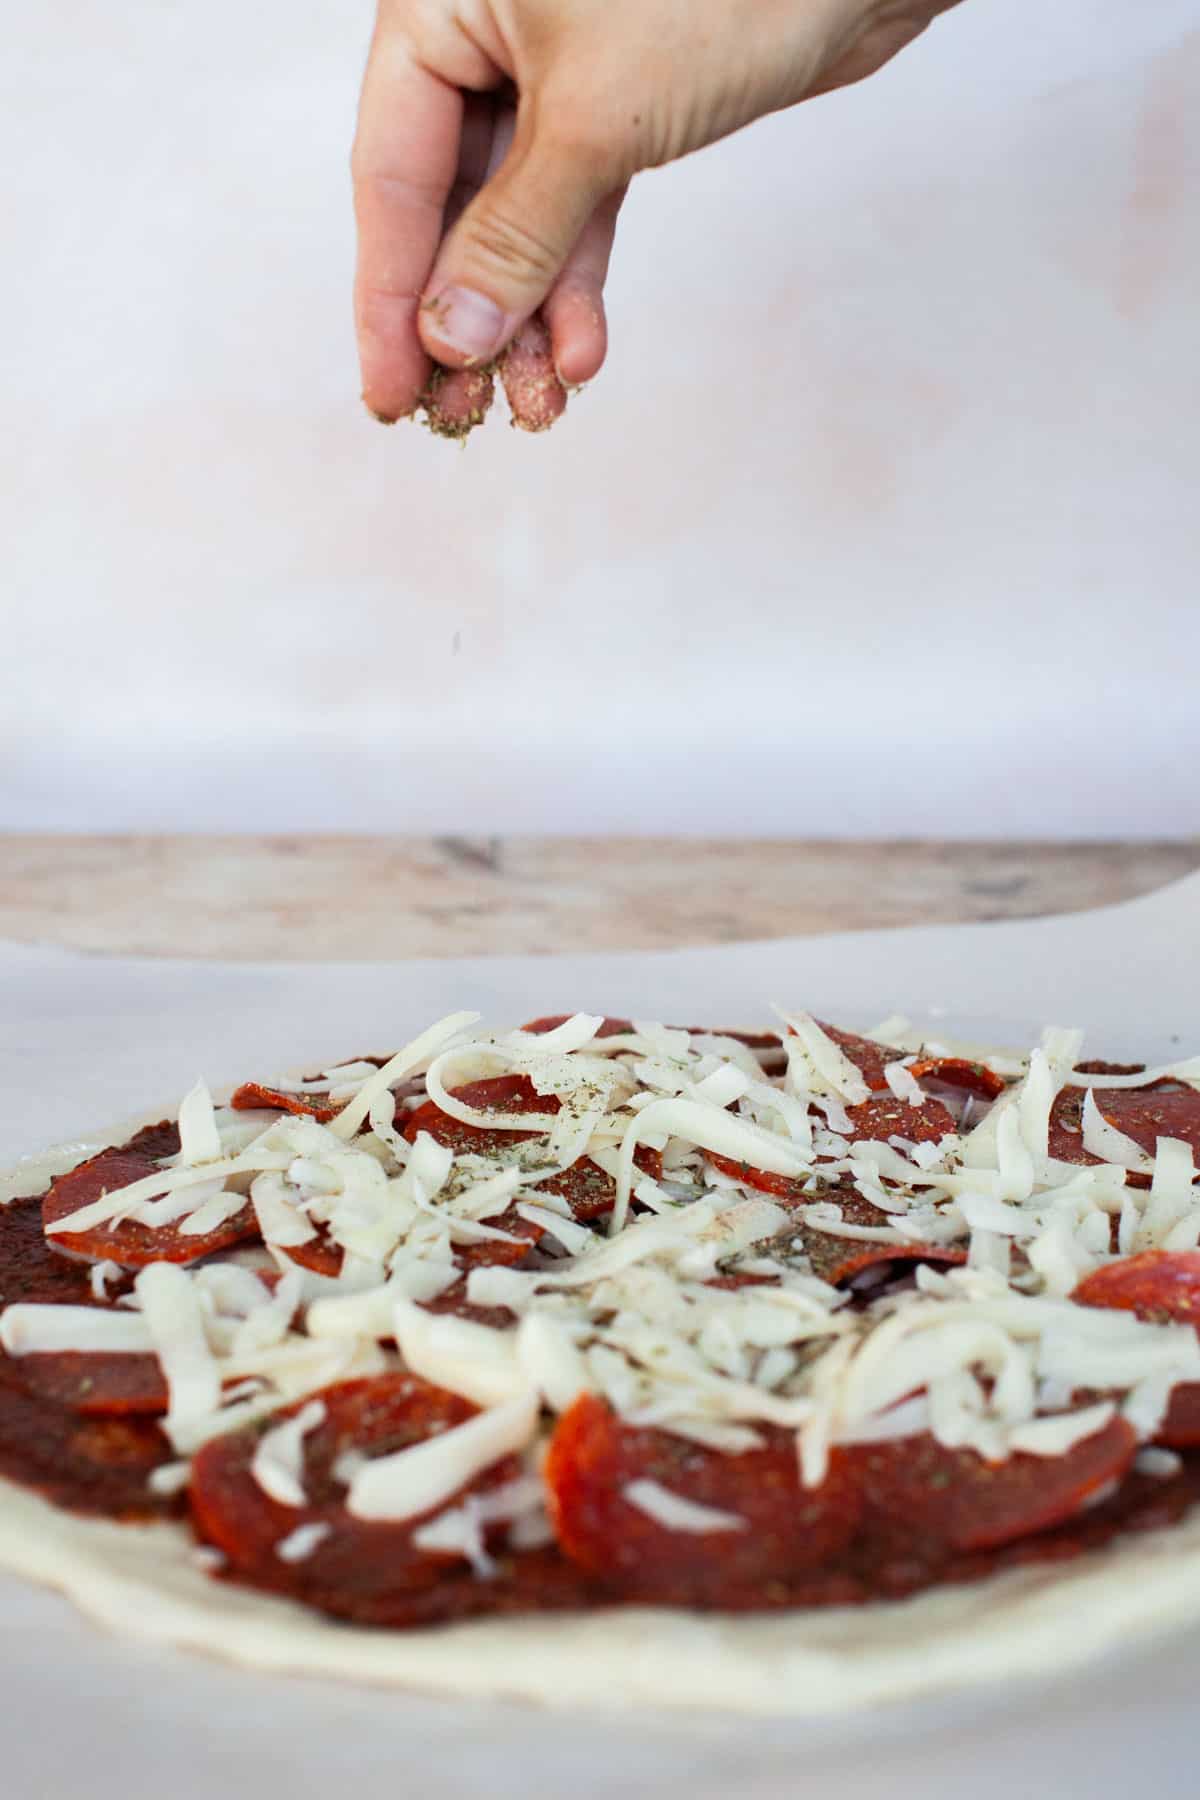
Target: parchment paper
[(87, 1040)]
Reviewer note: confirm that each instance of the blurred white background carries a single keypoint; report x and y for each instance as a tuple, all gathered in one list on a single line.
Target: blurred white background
[(882, 519)]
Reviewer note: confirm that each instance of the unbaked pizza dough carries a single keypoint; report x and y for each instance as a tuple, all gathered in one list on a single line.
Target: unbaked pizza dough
[(144, 1581)]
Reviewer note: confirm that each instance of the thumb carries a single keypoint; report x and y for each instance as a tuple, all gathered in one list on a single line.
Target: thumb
[(506, 251)]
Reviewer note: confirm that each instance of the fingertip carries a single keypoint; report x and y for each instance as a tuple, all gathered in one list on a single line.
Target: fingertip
[(456, 401), (536, 396), (393, 367), (578, 332)]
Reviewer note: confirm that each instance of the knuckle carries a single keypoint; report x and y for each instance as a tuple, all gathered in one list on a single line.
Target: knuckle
[(510, 245), (389, 191), (384, 308)]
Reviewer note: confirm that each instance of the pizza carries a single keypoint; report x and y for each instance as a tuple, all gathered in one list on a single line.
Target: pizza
[(540, 1326)]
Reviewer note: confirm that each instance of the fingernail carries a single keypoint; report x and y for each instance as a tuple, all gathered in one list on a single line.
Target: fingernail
[(467, 322)]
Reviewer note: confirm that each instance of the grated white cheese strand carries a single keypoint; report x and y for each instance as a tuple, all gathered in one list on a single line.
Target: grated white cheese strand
[(436, 1088), (30, 1328), (710, 1129), (1109, 1144), (279, 1218), (674, 1512), (493, 1284), (199, 1138), (907, 1419), (414, 1481), (550, 1360), (99, 1276), (827, 1059), (368, 1314), (211, 1214), (171, 1312), (731, 1440), (169, 1478), (345, 1076), (381, 1117), (1058, 1433), (1016, 1173), (177, 1204), (1145, 1405), (1157, 1462), (299, 1545), (723, 1086), (1049, 1066), (1171, 1216), (575, 1033), (1034, 1100), (267, 1322), (278, 1462), (903, 1083), (571, 1236), (413, 1057), (494, 1194), (460, 1532), (473, 1360)]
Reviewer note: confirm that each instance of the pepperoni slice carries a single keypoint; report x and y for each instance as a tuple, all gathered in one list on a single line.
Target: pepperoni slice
[(526, 1582), (883, 1116), (253, 1096), (129, 1242), (1180, 1429), (99, 1466), (594, 1456), (958, 1072), (34, 1273), (837, 1259), (1164, 1109), (319, 1253), (1160, 1285), (360, 1569), (32, 1270), (588, 1190), (1097, 1066), (97, 1384), (924, 1501)]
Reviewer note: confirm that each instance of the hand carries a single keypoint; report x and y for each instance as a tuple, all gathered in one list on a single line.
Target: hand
[(496, 139)]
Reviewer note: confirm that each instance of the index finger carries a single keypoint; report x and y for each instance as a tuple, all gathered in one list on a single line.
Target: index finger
[(403, 165)]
